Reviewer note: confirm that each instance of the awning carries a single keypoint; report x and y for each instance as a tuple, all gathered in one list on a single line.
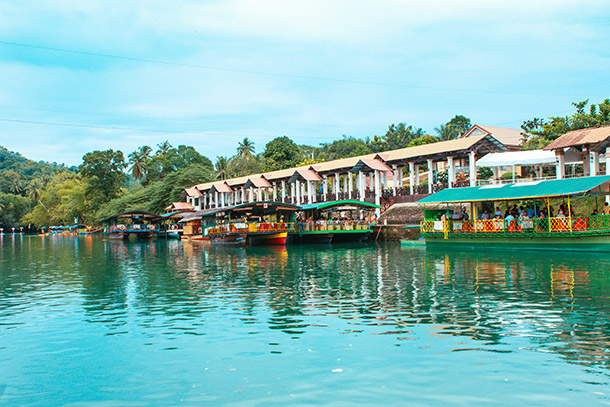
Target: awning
[(509, 158), (346, 203), (524, 190)]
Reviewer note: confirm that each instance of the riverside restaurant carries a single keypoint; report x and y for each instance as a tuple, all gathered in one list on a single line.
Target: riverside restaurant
[(521, 216)]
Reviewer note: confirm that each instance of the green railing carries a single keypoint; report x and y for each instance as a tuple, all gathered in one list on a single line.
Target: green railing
[(577, 225)]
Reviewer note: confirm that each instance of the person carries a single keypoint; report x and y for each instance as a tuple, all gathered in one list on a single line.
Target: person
[(606, 208), (560, 214), (530, 212), (509, 216), (485, 215), (464, 214), (594, 213), (498, 213)]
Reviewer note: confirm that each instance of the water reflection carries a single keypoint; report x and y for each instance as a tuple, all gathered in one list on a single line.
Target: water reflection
[(558, 303)]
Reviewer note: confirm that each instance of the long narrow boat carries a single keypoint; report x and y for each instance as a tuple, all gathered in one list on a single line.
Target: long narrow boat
[(567, 232), (132, 224), (262, 222), (336, 222)]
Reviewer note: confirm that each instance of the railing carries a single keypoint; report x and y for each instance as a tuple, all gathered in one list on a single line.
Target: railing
[(558, 225), (242, 227), (331, 226), (130, 228)]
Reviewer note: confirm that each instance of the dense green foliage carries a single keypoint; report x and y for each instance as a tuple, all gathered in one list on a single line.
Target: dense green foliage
[(541, 132), (42, 194)]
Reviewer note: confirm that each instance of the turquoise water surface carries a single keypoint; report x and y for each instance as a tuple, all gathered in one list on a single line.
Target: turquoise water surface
[(86, 322)]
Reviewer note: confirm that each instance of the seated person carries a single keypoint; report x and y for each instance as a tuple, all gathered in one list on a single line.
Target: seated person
[(485, 215)]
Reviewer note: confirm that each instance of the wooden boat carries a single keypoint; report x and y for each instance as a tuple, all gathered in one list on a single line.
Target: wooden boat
[(262, 222), (170, 226), (566, 232), (334, 222), (136, 224)]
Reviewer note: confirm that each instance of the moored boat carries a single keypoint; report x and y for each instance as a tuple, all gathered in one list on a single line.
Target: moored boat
[(545, 230), (136, 224), (334, 222)]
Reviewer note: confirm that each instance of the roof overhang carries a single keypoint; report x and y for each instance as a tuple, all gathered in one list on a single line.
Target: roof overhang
[(518, 191)]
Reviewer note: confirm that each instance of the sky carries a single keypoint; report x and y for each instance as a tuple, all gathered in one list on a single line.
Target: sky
[(78, 76)]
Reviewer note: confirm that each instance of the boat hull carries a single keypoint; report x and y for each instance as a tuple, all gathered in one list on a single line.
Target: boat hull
[(600, 243), (311, 237), (346, 236), (277, 238), (229, 238)]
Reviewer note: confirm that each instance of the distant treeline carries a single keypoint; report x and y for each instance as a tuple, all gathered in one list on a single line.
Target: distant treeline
[(38, 194)]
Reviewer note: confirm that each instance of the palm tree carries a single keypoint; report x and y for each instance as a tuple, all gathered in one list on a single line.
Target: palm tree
[(446, 132), (34, 189), (14, 187), (138, 160), (245, 149), (222, 167), (163, 148)]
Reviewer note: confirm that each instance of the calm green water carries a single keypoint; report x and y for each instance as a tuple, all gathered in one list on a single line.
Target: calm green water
[(85, 322)]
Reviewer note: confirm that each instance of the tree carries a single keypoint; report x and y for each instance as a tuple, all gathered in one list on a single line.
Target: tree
[(104, 173), (138, 160), (460, 125), (540, 132), (222, 167), (345, 147), (425, 139), (397, 136), (281, 153), (163, 148), (245, 149)]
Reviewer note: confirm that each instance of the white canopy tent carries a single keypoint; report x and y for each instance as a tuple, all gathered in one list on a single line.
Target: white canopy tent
[(535, 158)]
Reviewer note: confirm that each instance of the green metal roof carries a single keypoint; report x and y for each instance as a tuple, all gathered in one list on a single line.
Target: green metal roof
[(345, 202), (525, 190)]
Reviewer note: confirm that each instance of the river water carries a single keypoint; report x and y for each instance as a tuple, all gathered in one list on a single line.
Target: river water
[(86, 322)]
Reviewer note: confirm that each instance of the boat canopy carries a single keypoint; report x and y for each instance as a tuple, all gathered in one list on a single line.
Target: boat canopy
[(522, 190), (345, 204), (135, 214)]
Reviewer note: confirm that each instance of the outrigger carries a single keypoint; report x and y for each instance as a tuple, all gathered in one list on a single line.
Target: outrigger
[(542, 231), (336, 222), (137, 223)]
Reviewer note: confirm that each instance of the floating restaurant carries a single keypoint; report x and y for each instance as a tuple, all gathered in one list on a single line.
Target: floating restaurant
[(533, 225)]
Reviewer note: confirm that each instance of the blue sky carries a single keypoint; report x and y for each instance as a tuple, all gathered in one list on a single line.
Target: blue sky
[(209, 73)]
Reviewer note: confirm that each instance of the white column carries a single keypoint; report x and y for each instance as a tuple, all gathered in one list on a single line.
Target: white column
[(215, 199), (594, 157), (309, 192), (275, 192), (292, 193), (325, 187), (259, 195), (360, 184), (337, 186), (394, 179), (416, 171), (222, 199), (266, 191), (350, 184), (251, 195), (400, 175), (450, 171), (430, 176), (283, 190), (412, 178), (385, 180), (298, 188), (377, 191), (560, 164), (345, 182), (472, 169), (585, 163)]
